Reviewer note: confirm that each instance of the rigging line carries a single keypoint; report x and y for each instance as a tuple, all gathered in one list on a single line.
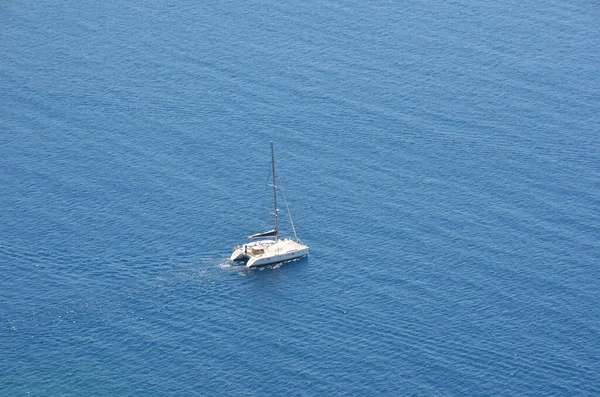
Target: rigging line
[(287, 206)]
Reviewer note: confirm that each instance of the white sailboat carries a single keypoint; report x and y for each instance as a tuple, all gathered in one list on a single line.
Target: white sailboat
[(270, 249)]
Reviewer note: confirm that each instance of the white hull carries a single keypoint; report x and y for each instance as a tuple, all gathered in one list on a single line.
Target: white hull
[(270, 259), (238, 255), (266, 252)]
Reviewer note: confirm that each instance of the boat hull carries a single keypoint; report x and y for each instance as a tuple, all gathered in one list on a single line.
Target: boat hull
[(238, 255), (264, 260)]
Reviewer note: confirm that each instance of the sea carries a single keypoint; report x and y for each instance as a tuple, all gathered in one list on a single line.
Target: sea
[(440, 158)]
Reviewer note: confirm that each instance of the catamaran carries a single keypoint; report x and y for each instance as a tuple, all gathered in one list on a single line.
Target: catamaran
[(270, 249)]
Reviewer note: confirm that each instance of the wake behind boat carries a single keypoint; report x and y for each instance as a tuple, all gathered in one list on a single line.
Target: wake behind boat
[(270, 249)]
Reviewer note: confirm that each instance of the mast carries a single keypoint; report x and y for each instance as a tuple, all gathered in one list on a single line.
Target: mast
[(274, 192)]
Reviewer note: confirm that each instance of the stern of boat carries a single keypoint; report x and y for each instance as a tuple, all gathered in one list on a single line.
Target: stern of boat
[(238, 254)]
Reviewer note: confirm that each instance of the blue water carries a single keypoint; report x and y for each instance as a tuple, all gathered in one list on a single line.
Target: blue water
[(440, 158)]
